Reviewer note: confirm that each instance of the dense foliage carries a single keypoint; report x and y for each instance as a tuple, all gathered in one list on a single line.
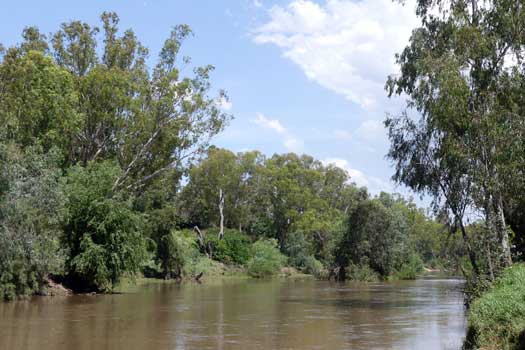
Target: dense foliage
[(31, 206), (102, 234), (266, 259)]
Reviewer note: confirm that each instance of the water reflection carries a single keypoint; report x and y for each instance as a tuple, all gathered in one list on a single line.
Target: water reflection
[(244, 314)]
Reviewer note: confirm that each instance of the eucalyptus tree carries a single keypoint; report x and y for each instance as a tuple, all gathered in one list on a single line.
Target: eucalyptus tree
[(459, 139), (110, 105), (214, 191)]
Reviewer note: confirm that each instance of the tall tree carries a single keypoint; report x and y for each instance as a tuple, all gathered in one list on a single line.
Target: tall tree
[(460, 72)]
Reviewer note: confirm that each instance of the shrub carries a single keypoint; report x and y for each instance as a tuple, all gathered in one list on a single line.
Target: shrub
[(30, 211), (376, 236), (297, 249), (102, 233), (314, 267), (234, 247), (497, 319), (266, 259), (176, 252), (410, 268), (363, 273), (202, 264)]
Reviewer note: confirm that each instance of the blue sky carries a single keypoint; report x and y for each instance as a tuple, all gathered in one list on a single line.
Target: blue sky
[(303, 76)]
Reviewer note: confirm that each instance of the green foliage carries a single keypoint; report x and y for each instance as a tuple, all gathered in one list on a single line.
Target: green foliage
[(389, 236), (375, 237), (271, 197), (362, 273), (37, 102), (101, 232), (112, 107), (124, 135), (234, 247), (298, 249), (314, 267), (177, 251), (497, 318), (202, 264), (266, 259), (30, 213), (410, 268)]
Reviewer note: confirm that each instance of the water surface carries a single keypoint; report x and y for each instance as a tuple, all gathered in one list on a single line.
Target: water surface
[(244, 314)]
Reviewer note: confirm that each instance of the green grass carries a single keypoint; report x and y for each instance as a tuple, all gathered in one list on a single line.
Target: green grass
[(497, 318)]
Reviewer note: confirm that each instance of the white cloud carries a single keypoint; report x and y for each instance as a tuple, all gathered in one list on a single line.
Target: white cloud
[(344, 45), (294, 145), (356, 176), (273, 124), (257, 3), (290, 142), (343, 135), (374, 184), (371, 130)]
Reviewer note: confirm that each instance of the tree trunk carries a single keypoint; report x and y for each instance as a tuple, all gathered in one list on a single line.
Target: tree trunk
[(221, 213), (503, 233), (489, 259), (471, 254), (200, 239)]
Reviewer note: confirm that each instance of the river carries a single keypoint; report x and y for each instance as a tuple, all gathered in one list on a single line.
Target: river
[(243, 314)]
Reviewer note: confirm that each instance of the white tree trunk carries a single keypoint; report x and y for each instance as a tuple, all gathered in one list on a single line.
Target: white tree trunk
[(221, 213)]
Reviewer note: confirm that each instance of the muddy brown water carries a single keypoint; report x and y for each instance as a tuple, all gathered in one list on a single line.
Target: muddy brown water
[(305, 314)]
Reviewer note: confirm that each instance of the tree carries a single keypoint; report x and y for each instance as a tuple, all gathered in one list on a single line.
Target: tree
[(459, 75), (214, 189), (101, 231), (376, 236), (37, 101), (109, 107), (31, 206)]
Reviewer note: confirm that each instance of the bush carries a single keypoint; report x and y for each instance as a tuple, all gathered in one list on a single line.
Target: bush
[(363, 273), (376, 236), (176, 252), (297, 249), (496, 320), (202, 264), (266, 258), (314, 267), (30, 211), (234, 247), (410, 268), (101, 231)]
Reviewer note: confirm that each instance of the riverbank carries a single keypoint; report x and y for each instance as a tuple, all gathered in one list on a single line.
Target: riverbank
[(496, 320), (222, 273), (218, 273), (131, 285)]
